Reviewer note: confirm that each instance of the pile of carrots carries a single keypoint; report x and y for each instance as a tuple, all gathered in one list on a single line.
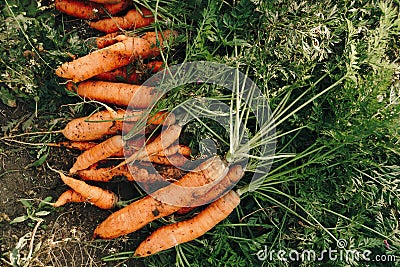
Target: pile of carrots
[(103, 76)]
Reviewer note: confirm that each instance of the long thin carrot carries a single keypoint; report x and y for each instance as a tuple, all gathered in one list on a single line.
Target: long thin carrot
[(122, 94), (97, 196), (99, 152), (107, 40), (130, 75), (181, 149), (134, 144), (141, 212), (134, 19), (112, 57), (227, 182), (164, 140), (68, 197), (174, 234), (78, 145), (172, 160), (138, 173), (89, 10)]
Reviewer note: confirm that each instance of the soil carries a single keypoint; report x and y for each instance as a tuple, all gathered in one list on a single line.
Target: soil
[(64, 238)]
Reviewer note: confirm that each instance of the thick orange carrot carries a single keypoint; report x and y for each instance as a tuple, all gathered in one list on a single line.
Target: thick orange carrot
[(164, 140), (68, 197), (141, 212), (130, 75), (103, 123), (134, 19), (174, 234), (97, 196), (89, 10), (112, 57), (99, 152), (95, 126), (122, 94)]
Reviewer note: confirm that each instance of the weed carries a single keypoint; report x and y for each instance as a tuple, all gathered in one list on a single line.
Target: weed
[(34, 214)]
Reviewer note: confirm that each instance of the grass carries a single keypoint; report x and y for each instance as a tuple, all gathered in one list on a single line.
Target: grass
[(330, 72)]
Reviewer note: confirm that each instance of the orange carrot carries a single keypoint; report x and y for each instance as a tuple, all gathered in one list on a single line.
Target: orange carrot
[(134, 144), (99, 173), (134, 19), (172, 160), (184, 150), (103, 123), (162, 117), (141, 212), (107, 40), (95, 126), (225, 184), (68, 197), (89, 10), (99, 152), (164, 140), (130, 146), (106, 1), (104, 174), (174, 234), (122, 94), (97, 196), (154, 66), (130, 75), (181, 149), (112, 57)]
